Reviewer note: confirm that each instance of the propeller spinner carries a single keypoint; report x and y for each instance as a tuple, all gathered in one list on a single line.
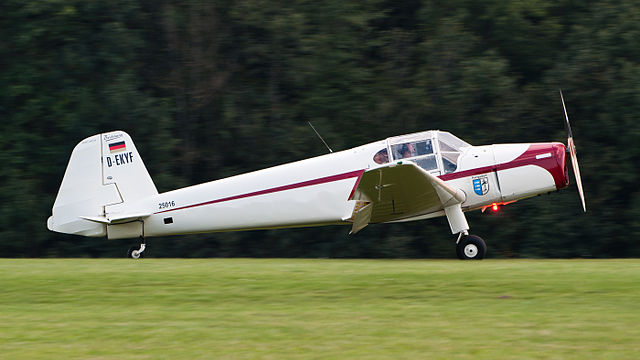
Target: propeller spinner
[(574, 156)]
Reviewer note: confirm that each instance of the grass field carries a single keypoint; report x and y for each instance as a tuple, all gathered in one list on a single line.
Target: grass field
[(282, 309)]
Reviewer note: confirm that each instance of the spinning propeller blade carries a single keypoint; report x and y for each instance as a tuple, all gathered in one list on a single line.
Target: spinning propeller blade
[(574, 156)]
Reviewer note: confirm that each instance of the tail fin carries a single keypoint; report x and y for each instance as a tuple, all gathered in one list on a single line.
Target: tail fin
[(105, 174)]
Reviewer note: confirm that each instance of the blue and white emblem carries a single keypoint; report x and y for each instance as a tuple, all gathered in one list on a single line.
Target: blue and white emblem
[(481, 184)]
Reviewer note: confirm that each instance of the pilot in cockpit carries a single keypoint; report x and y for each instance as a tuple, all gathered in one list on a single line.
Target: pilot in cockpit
[(408, 150)]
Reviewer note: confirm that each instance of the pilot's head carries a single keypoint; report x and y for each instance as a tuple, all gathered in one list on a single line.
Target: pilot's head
[(405, 151)]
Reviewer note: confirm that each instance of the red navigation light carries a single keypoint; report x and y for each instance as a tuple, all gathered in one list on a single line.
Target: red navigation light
[(494, 207)]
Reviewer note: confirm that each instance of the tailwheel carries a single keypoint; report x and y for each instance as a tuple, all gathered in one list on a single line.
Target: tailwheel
[(471, 247), (136, 252)]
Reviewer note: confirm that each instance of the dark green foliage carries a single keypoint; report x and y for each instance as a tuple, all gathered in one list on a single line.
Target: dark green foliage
[(212, 89)]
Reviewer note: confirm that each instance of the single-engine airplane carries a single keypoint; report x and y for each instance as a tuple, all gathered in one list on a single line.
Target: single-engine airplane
[(106, 189)]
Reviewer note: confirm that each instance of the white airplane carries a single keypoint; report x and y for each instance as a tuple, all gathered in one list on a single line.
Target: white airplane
[(106, 189)]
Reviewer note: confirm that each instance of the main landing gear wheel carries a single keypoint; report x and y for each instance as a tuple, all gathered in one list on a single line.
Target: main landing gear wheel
[(471, 247)]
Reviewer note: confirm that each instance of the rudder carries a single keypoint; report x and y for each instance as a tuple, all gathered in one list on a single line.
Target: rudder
[(105, 176)]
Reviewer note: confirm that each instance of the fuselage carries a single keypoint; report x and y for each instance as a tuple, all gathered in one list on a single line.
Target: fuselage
[(319, 190)]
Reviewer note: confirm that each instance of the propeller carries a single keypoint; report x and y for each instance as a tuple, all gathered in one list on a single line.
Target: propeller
[(574, 155)]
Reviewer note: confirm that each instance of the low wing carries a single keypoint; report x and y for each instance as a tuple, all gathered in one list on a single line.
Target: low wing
[(400, 191)]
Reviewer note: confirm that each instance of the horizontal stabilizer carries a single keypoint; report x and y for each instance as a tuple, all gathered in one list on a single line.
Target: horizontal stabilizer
[(116, 218)]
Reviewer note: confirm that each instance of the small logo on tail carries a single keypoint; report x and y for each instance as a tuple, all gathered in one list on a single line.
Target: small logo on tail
[(117, 147)]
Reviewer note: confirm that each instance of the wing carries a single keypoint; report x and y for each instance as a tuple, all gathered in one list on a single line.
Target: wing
[(400, 191)]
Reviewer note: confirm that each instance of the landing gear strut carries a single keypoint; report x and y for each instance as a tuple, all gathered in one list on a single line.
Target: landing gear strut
[(137, 252), (471, 247)]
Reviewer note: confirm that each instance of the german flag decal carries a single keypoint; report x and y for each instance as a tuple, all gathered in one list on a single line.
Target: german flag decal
[(117, 147)]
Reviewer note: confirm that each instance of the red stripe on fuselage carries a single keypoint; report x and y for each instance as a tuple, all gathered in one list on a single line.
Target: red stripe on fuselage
[(466, 173), (554, 164), (323, 180)]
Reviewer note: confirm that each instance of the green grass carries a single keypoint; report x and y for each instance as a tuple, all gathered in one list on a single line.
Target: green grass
[(282, 309)]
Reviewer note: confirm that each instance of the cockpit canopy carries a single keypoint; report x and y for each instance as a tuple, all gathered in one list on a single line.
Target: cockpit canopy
[(434, 151)]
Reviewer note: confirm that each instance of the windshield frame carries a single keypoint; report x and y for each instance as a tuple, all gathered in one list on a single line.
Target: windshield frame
[(451, 145)]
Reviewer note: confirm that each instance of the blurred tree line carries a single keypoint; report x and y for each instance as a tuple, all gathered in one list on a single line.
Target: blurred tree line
[(210, 89)]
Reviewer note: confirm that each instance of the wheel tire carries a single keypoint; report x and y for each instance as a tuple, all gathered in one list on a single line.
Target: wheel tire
[(471, 247), (131, 253)]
